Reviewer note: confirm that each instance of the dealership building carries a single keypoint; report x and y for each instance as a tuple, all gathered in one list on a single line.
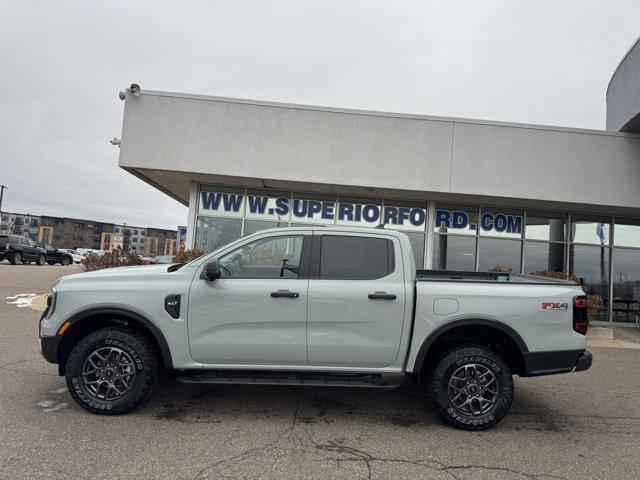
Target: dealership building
[(470, 194)]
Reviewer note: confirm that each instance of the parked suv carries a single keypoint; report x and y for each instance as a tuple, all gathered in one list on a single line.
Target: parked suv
[(55, 255), (19, 249)]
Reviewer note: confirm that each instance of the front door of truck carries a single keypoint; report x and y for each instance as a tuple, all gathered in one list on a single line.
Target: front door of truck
[(256, 313), (356, 300)]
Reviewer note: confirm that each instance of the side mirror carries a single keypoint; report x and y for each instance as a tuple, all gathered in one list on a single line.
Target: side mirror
[(211, 271)]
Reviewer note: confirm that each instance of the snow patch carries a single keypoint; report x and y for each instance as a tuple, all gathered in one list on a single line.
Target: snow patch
[(22, 300)]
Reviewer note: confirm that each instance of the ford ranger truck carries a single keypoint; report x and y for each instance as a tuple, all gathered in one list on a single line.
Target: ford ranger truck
[(317, 307)]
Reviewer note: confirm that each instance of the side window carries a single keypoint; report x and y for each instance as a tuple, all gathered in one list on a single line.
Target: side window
[(364, 258), (274, 257), (49, 248), (23, 241), (31, 243)]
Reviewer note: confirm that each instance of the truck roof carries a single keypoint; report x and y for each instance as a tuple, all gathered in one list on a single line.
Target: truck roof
[(332, 228)]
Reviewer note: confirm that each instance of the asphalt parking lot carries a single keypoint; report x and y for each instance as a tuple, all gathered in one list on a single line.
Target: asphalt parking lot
[(576, 426)]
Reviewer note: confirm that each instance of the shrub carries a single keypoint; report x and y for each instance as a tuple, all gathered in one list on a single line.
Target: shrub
[(110, 259), (187, 256)]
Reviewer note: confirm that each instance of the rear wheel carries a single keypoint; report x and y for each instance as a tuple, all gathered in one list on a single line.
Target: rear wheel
[(16, 258), (41, 259), (111, 371), (472, 387)]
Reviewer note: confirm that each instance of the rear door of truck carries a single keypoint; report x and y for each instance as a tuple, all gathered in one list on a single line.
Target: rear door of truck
[(356, 300)]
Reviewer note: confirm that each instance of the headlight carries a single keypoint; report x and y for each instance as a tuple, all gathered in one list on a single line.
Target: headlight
[(51, 302)]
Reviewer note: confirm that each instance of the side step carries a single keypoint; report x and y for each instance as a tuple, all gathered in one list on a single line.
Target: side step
[(290, 379)]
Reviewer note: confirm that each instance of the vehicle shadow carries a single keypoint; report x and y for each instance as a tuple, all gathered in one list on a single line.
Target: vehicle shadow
[(406, 407)]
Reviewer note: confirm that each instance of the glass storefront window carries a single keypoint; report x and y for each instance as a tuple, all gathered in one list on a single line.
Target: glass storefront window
[(458, 219), (626, 284), (499, 255), (540, 256), (451, 252), (221, 201), (317, 209), (545, 226), (591, 230), (404, 216), (627, 233), (268, 205), (501, 222), (591, 265), (358, 212), (214, 232)]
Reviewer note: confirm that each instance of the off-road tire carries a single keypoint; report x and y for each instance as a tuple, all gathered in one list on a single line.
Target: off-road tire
[(41, 259), (16, 258), (450, 362), (145, 363)]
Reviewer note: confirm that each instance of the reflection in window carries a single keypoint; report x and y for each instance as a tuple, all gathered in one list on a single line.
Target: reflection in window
[(626, 284), (499, 255), (545, 226), (540, 256), (454, 253), (274, 257), (253, 226), (591, 266), (627, 233), (458, 219), (592, 230), (213, 233)]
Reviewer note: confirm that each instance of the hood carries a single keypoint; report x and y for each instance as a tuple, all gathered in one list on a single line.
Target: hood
[(121, 271)]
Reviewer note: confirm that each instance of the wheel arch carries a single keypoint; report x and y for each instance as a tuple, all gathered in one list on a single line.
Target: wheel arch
[(478, 330), (90, 320)]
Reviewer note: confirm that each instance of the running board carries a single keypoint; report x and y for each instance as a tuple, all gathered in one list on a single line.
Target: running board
[(290, 379)]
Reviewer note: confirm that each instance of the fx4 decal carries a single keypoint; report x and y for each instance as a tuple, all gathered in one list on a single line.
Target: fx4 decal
[(555, 306)]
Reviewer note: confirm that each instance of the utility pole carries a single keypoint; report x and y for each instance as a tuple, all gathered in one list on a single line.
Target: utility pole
[(2, 187)]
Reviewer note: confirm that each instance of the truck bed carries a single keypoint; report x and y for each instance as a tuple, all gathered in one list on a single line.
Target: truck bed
[(491, 277)]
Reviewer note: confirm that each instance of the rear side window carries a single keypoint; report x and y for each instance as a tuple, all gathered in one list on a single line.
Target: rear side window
[(358, 258), (4, 240)]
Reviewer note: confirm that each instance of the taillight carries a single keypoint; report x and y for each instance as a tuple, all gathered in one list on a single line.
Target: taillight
[(581, 314), (7, 246)]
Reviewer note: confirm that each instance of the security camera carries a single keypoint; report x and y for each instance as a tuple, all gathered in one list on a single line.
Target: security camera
[(134, 89)]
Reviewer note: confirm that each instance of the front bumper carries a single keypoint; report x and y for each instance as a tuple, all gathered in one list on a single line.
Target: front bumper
[(554, 362), (49, 348)]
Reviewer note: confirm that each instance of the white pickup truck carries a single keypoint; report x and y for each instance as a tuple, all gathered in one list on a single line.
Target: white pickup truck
[(317, 307)]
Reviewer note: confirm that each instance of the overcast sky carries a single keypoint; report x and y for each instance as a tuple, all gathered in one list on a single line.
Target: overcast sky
[(63, 63)]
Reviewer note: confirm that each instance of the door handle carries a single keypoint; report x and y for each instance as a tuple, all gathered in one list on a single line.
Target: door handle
[(382, 296), (285, 294)]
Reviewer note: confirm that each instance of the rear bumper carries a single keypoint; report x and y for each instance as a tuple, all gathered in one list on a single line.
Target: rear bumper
[(559, 361)]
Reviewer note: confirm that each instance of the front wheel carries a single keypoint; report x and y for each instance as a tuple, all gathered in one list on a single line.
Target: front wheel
[(472, 387), (111, 371), (64, 261)]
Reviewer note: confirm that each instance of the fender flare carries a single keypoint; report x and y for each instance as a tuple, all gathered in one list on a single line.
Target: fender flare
[(442, 329), (158, 336)]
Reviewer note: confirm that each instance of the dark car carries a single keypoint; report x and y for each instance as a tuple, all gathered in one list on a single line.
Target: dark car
[(56, 256), (19, 249)]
